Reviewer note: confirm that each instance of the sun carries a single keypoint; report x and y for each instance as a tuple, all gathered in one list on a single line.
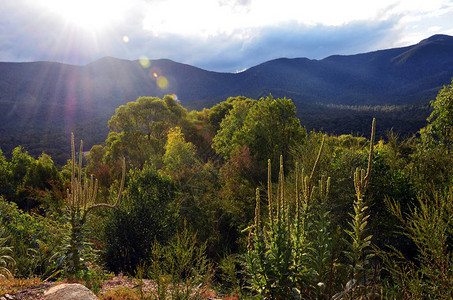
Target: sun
[(91, 15)]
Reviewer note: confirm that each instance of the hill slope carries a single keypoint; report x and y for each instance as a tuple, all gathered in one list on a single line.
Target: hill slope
[(53, 99)]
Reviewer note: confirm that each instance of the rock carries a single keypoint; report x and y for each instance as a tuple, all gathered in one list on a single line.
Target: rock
[(69, 292)]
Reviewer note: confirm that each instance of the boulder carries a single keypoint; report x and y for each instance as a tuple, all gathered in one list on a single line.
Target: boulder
[(73, 291)]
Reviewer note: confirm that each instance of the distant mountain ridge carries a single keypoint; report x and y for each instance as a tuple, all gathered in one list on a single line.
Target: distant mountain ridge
[(54, 96)]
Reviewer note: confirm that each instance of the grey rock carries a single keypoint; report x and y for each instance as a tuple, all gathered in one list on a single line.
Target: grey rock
[(73, 291)]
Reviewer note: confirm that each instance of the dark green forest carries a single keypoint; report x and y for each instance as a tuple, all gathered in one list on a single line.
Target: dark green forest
[(241, 201)]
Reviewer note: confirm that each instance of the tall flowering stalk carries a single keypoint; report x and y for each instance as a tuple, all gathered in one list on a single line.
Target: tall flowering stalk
[(359, 243), (81, 200), (276, 261)]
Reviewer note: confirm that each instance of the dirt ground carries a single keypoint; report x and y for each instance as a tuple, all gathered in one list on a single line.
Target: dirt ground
[(37, 292)]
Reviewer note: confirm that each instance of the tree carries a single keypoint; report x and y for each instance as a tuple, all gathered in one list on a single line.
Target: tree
[(271, 129), (268, 127), (224, 142), (433, 158), (440, 127), (5, 176), (219, 111), (41, 173), (20, 162), (42, 183), (179, 154), (139, 129)]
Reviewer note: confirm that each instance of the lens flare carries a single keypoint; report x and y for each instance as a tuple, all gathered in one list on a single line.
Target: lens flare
[(162, 82), (155, 75), (145, 62), (174, 96), (125, 39)]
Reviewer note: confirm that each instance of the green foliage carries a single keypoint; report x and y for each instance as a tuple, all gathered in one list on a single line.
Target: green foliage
[(228, 274), (35, 240), (20, 162), (440, 127), (268, 265), (393, 183), (148, 213), (271, 129), (433, 158), (81, 201), (139, 129), (432, 166), (42, 184), (6, 261), (312, 240), (359, 251), (6, 187), (41, 173), (251, 132), (429, 226), (187, 265), (350, 142), (226, 139), (179, 270), (294, 255), (218, 112), (93, 279), (179, 154), (31, 183), (237, 187), (291, 256), (268, 127), (345, 163)]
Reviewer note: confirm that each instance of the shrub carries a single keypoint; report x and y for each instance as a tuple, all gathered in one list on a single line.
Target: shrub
[(6, 261), (181, 269), (146, 215), (429, 226), (34, 240)]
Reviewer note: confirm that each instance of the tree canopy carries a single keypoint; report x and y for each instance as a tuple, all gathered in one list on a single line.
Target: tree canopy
[(440, 127), (268, 127), (139, 128)]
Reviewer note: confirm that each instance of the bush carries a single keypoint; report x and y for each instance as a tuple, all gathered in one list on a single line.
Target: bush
[(147, 214), (35, 240), (181, 269), (429, 226), (6, 261)]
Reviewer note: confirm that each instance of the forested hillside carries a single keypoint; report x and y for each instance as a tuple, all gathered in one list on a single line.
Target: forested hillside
[(238, 200), (43, 102)]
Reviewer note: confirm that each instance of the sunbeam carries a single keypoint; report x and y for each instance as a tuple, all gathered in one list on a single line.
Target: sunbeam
[(90, 15)]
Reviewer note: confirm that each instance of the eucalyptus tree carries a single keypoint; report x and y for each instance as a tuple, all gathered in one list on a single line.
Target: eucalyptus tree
[(138, 130)]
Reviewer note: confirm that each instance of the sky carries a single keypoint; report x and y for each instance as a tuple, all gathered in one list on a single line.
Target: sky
[(215, 35)]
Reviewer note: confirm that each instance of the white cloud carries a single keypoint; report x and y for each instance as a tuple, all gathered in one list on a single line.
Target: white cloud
[(223, 35)]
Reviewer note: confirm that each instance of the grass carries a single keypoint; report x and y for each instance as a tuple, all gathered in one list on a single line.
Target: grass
[(14, 285)]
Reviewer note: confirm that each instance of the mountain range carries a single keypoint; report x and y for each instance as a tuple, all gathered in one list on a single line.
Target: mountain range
[(41, 102)]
